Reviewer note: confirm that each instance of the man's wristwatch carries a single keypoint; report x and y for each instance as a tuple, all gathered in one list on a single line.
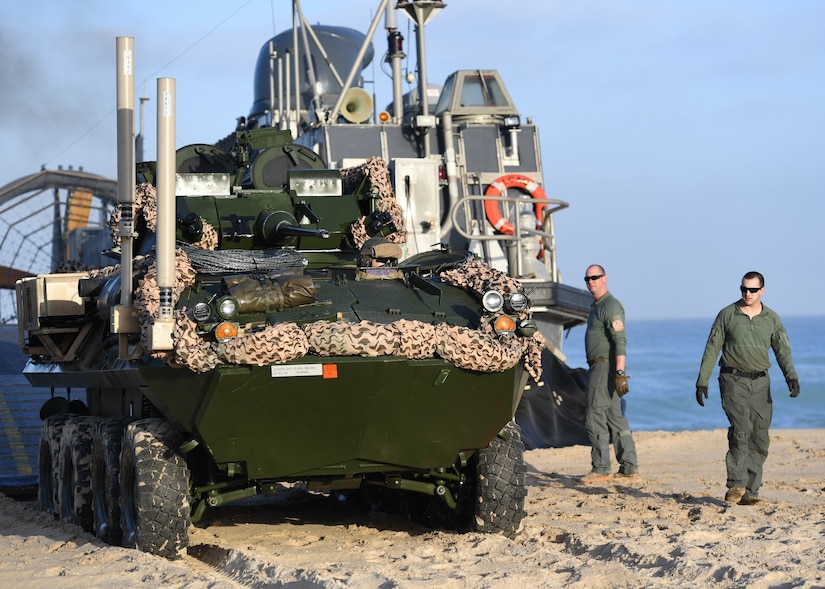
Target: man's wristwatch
[(620, 372)]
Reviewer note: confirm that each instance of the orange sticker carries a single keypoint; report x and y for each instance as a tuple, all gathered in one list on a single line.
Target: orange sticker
[(330, 371)]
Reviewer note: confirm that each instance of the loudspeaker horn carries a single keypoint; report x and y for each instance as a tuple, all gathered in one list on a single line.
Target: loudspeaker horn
[(357, 105)]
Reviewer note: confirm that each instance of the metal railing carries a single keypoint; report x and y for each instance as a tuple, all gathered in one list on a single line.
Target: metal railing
[(515, 254)]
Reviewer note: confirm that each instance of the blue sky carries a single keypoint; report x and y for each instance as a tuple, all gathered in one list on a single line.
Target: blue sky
[(688, 137)]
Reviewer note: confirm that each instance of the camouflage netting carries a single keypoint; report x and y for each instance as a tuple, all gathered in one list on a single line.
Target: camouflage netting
[(146, 301), (351, 339), (472, 349), (275, 344), (209, 239), (147, 294), (69, 266), (378, 176), (476, 350), (532, 356), (146, 202), (466, 348), (416, 340), (191, 350), (112, 271), (477, 277)]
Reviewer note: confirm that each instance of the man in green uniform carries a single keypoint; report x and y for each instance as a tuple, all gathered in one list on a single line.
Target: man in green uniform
[(605, 343), (744, 331)]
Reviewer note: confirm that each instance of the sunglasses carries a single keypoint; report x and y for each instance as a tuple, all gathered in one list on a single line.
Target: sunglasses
[(750, 289), (594, 277)]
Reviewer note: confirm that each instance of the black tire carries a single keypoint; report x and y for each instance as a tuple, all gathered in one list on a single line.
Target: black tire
[(500, 490), (47, 463), (154, 489), (75, 470), (106, 478)]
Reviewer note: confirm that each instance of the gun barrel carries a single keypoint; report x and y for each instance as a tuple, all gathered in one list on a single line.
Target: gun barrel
[(287, 230)]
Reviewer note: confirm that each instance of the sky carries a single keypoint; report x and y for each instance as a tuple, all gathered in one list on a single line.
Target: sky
[(688, 136)]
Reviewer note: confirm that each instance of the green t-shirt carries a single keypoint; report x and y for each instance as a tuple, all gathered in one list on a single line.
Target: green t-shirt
[(605, 336)]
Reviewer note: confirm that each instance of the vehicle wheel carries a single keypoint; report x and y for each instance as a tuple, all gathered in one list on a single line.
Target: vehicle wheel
[(75, 469), (154, 489), (500, 490), (47, 463), (106, 478)]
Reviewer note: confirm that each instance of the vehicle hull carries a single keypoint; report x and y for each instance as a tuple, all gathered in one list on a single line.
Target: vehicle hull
[(374, 414)]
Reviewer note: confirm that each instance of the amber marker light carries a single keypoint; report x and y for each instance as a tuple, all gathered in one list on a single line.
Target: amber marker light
[(504, 325), (383, 116), (225, 331)]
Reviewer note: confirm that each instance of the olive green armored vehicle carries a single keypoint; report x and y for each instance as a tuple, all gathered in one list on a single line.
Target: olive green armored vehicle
[(260, 326)]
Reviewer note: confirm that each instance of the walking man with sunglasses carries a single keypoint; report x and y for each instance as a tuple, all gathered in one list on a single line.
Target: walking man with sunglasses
[(605, 343), (744, 331)]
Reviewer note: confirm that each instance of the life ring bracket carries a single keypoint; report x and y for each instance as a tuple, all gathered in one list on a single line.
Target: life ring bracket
[(499, 187)]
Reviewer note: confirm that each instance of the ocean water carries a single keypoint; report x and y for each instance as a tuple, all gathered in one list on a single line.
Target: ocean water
[(663, 359)]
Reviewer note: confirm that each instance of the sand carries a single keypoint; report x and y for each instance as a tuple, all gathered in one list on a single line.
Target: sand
[(669, 529)]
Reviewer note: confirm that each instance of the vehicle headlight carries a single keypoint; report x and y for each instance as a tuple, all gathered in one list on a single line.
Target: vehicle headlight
[(492, 301), (228, 308), (201, 311), (518, 302)]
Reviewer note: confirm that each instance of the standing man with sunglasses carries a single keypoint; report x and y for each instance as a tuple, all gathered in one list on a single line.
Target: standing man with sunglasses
[(744, 331), (605, 343)]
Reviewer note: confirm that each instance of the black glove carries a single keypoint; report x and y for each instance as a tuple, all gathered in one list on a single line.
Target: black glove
[(622, 386), (793, 386), (701, 395)]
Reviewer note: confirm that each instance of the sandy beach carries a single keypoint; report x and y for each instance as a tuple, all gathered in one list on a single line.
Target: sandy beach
[(671, 528)]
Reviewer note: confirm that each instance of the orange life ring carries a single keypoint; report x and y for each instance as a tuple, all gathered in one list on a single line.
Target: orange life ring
[(499, 187)]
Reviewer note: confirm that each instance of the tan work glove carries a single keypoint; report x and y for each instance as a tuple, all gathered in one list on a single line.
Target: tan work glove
[(622, 386)]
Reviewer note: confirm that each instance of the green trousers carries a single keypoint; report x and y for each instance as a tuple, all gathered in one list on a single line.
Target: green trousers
[(748, 405), (605, 423)]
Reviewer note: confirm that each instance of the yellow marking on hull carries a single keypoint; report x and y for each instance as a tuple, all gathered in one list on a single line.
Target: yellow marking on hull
[(15, 441)]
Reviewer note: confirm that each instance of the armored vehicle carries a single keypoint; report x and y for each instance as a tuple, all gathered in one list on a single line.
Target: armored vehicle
[(258, 330), (465, 162)]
